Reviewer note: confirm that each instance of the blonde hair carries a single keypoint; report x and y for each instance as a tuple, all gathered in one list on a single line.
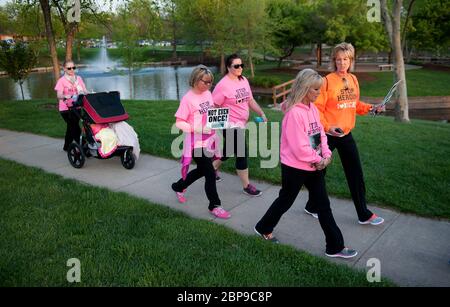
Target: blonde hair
[(348, 50), (306, 79), (197, 74)]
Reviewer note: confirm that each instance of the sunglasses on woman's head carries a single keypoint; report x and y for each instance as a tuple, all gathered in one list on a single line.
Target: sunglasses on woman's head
[(236, 66), (70, 68), (345, 83)]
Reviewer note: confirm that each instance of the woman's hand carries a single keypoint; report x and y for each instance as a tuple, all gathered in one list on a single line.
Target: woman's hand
[(335, 131), (322, 164), (377, 109), (202, 130)]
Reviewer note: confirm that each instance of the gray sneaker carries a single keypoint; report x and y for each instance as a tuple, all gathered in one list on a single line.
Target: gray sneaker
[(374, 220), (268, 237), (345, 253)]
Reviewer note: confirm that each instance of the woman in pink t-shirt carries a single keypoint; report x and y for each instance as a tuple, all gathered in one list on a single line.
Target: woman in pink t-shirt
[(304, 155), (68, 87), (233, 91), (200, 142)]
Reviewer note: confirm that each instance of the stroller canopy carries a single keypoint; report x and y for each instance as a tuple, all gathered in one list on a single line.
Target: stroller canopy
[(104, 108)]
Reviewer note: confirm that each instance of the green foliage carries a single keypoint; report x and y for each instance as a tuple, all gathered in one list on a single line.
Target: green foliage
[(286, 25), (431, 26), (17, 60), (265, 81)]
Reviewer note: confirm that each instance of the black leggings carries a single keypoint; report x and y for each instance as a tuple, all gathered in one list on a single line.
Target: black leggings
[(292, 180), (73, 130), (348, 152), (204, 168), (234, 145)]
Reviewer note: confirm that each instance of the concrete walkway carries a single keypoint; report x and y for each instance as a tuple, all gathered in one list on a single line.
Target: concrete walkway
[(413, 251)]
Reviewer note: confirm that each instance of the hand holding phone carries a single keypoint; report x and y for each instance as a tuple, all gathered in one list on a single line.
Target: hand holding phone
[(338, 130)]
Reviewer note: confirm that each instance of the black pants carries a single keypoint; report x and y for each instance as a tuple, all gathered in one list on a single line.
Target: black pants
[(292, 180), (73, 130), (204, 168), (234, 145), (348, 152)]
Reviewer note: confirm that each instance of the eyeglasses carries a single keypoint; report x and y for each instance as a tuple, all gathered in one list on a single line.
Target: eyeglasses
[(206, 82), (236, 66), (70, 68)]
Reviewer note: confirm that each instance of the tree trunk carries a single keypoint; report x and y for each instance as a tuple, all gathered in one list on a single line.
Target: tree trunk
[(50, 37), (319, 54), (392, 26), (78, 51), (21, 89), (250, 59), (401, 109), (222, 63), (72, 28)]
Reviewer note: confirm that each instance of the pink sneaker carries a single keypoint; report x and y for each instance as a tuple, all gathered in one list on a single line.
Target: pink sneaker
[(221, 213), (180, 196)]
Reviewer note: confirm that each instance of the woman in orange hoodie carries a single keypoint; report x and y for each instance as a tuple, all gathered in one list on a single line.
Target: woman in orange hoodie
[(338, 105)]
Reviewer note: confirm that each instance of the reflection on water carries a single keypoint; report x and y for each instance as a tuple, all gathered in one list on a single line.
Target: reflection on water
[(153, 83)]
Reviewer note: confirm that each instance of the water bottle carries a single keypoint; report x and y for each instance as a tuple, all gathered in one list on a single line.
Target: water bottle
[(258, 119)]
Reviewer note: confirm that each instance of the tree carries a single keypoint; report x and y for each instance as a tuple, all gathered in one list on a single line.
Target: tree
[(287, 25), (329, 23), (430, 26), (251, 27), (215, 19), (392, 22), (50, 36), (171, 16), (126, 33), (17, 60)]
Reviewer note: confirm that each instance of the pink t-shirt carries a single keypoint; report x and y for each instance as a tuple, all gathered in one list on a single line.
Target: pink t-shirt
[(236, 95), (68, 88), (303, 140), (194, 110)]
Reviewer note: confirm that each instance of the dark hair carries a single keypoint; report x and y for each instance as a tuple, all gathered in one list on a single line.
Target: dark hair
[(229, 60), (67, 61)]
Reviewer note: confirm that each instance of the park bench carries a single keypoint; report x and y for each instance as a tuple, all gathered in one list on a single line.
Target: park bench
[(386, 67)]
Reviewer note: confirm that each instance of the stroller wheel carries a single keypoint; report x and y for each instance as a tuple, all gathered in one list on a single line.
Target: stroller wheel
[(128, 159), (76, 155)]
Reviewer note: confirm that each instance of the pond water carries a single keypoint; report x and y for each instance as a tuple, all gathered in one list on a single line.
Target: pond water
[(149, 83)]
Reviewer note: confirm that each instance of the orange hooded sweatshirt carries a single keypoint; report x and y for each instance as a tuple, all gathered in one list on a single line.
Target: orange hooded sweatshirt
[(338, 105)]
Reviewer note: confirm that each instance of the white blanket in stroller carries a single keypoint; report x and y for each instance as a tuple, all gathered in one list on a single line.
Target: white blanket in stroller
[(126, 136)]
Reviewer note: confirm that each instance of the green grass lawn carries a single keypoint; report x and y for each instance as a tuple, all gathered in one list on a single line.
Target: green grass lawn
[(125, 241), (406, 166), (420, 82)]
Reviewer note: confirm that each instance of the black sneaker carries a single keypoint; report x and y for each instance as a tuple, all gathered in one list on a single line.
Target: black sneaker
[(252, 191), (268, 237)]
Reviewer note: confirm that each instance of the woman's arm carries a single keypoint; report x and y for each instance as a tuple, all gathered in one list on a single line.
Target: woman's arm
[(255, 107), (188, 128)]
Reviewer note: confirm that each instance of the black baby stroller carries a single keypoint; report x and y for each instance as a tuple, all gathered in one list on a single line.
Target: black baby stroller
[(98, 108)]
